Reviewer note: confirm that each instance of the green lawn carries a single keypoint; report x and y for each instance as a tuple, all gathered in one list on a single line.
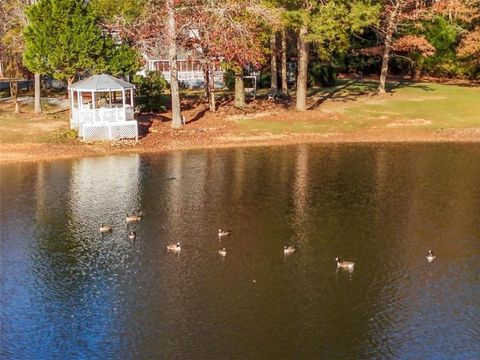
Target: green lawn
[(349, 108), (344, 109)]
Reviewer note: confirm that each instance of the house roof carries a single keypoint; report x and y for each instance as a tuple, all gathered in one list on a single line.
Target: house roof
[(101, 82)]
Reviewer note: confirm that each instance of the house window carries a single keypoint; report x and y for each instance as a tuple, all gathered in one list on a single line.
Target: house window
[(162, 65), (182, 65), (196, 66)]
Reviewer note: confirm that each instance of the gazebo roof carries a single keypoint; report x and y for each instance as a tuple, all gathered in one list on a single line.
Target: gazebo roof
[(102, 82)]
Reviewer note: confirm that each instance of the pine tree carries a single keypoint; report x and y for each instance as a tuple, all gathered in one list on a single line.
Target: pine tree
[(61, 38)]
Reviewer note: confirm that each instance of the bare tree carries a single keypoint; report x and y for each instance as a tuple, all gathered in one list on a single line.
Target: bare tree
[(398, 13), (303, 51), (284, 62), (12, 22), (273, 61), (228, 32), (159, 25), (172, 55), (391, 25)]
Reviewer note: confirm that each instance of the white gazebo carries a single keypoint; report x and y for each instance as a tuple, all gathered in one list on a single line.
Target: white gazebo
[(97, 112)]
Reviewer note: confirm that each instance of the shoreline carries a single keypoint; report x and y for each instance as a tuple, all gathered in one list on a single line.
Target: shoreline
[(33, 152), (413, 114)]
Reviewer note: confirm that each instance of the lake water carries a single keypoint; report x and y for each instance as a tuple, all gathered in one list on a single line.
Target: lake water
[(69, 293)]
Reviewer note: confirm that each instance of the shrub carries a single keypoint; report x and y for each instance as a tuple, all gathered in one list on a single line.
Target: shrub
[(444, 37), (229, 79), (63, 135), (183, 85), (151, 104), (265, 80), (150, 90), (322, 74)]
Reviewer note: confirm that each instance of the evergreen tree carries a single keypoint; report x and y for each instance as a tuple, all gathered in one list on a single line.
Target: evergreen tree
[(62, 38), (118, 59)]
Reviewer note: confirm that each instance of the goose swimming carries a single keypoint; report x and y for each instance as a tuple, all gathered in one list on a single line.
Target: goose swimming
[(289, 249), (105, 228), (222, 233), (133, 217), (348, 265), (174, 247), (430, 257)]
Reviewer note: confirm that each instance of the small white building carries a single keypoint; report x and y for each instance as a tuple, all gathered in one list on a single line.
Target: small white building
[(102, 108)]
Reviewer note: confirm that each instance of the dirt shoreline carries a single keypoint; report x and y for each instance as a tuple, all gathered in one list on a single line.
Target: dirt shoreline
[(347, 115), (31, 152)]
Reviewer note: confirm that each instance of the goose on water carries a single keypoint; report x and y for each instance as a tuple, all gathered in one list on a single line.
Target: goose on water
[(288, 249), (222, 252), (105, 228), (132, 235), (344, 264), (133, 217), (430, 256), (174, 247), (222, 233)]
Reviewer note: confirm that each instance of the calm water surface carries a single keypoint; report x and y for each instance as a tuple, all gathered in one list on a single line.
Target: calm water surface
[(69, 293)]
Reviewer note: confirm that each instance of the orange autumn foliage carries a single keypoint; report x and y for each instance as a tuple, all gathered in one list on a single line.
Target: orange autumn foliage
[(470, 45), (413, 44)]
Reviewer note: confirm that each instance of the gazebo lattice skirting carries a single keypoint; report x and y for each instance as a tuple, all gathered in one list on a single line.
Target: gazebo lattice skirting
[(103, 118)]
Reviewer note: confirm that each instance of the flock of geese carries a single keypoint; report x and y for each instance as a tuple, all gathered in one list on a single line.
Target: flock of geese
[(287, 250), (134, 218)]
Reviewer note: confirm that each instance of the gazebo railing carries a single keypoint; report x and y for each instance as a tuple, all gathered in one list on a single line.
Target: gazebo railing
[(104, 123), (102, 114)]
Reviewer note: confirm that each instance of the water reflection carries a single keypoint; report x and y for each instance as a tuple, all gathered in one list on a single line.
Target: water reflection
[(68, 292), (300, 193)]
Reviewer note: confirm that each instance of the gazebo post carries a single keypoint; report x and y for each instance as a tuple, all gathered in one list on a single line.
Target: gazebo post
[(79, 98), (131, 98), (124, 111), (71, 101), (72, 110), (93, 107)]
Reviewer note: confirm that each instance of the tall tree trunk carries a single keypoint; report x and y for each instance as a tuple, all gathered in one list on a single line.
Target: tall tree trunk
[(302, 69), (388, 47), (416, 70), (239, 89), (384, 71), (211, 89), (206, 74), (172, 57), (284, 62), (14, 94), (38, 105), (273, 62)]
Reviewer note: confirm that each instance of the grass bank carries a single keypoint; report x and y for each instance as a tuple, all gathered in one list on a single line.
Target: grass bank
[(349, 109), (344, 113)]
